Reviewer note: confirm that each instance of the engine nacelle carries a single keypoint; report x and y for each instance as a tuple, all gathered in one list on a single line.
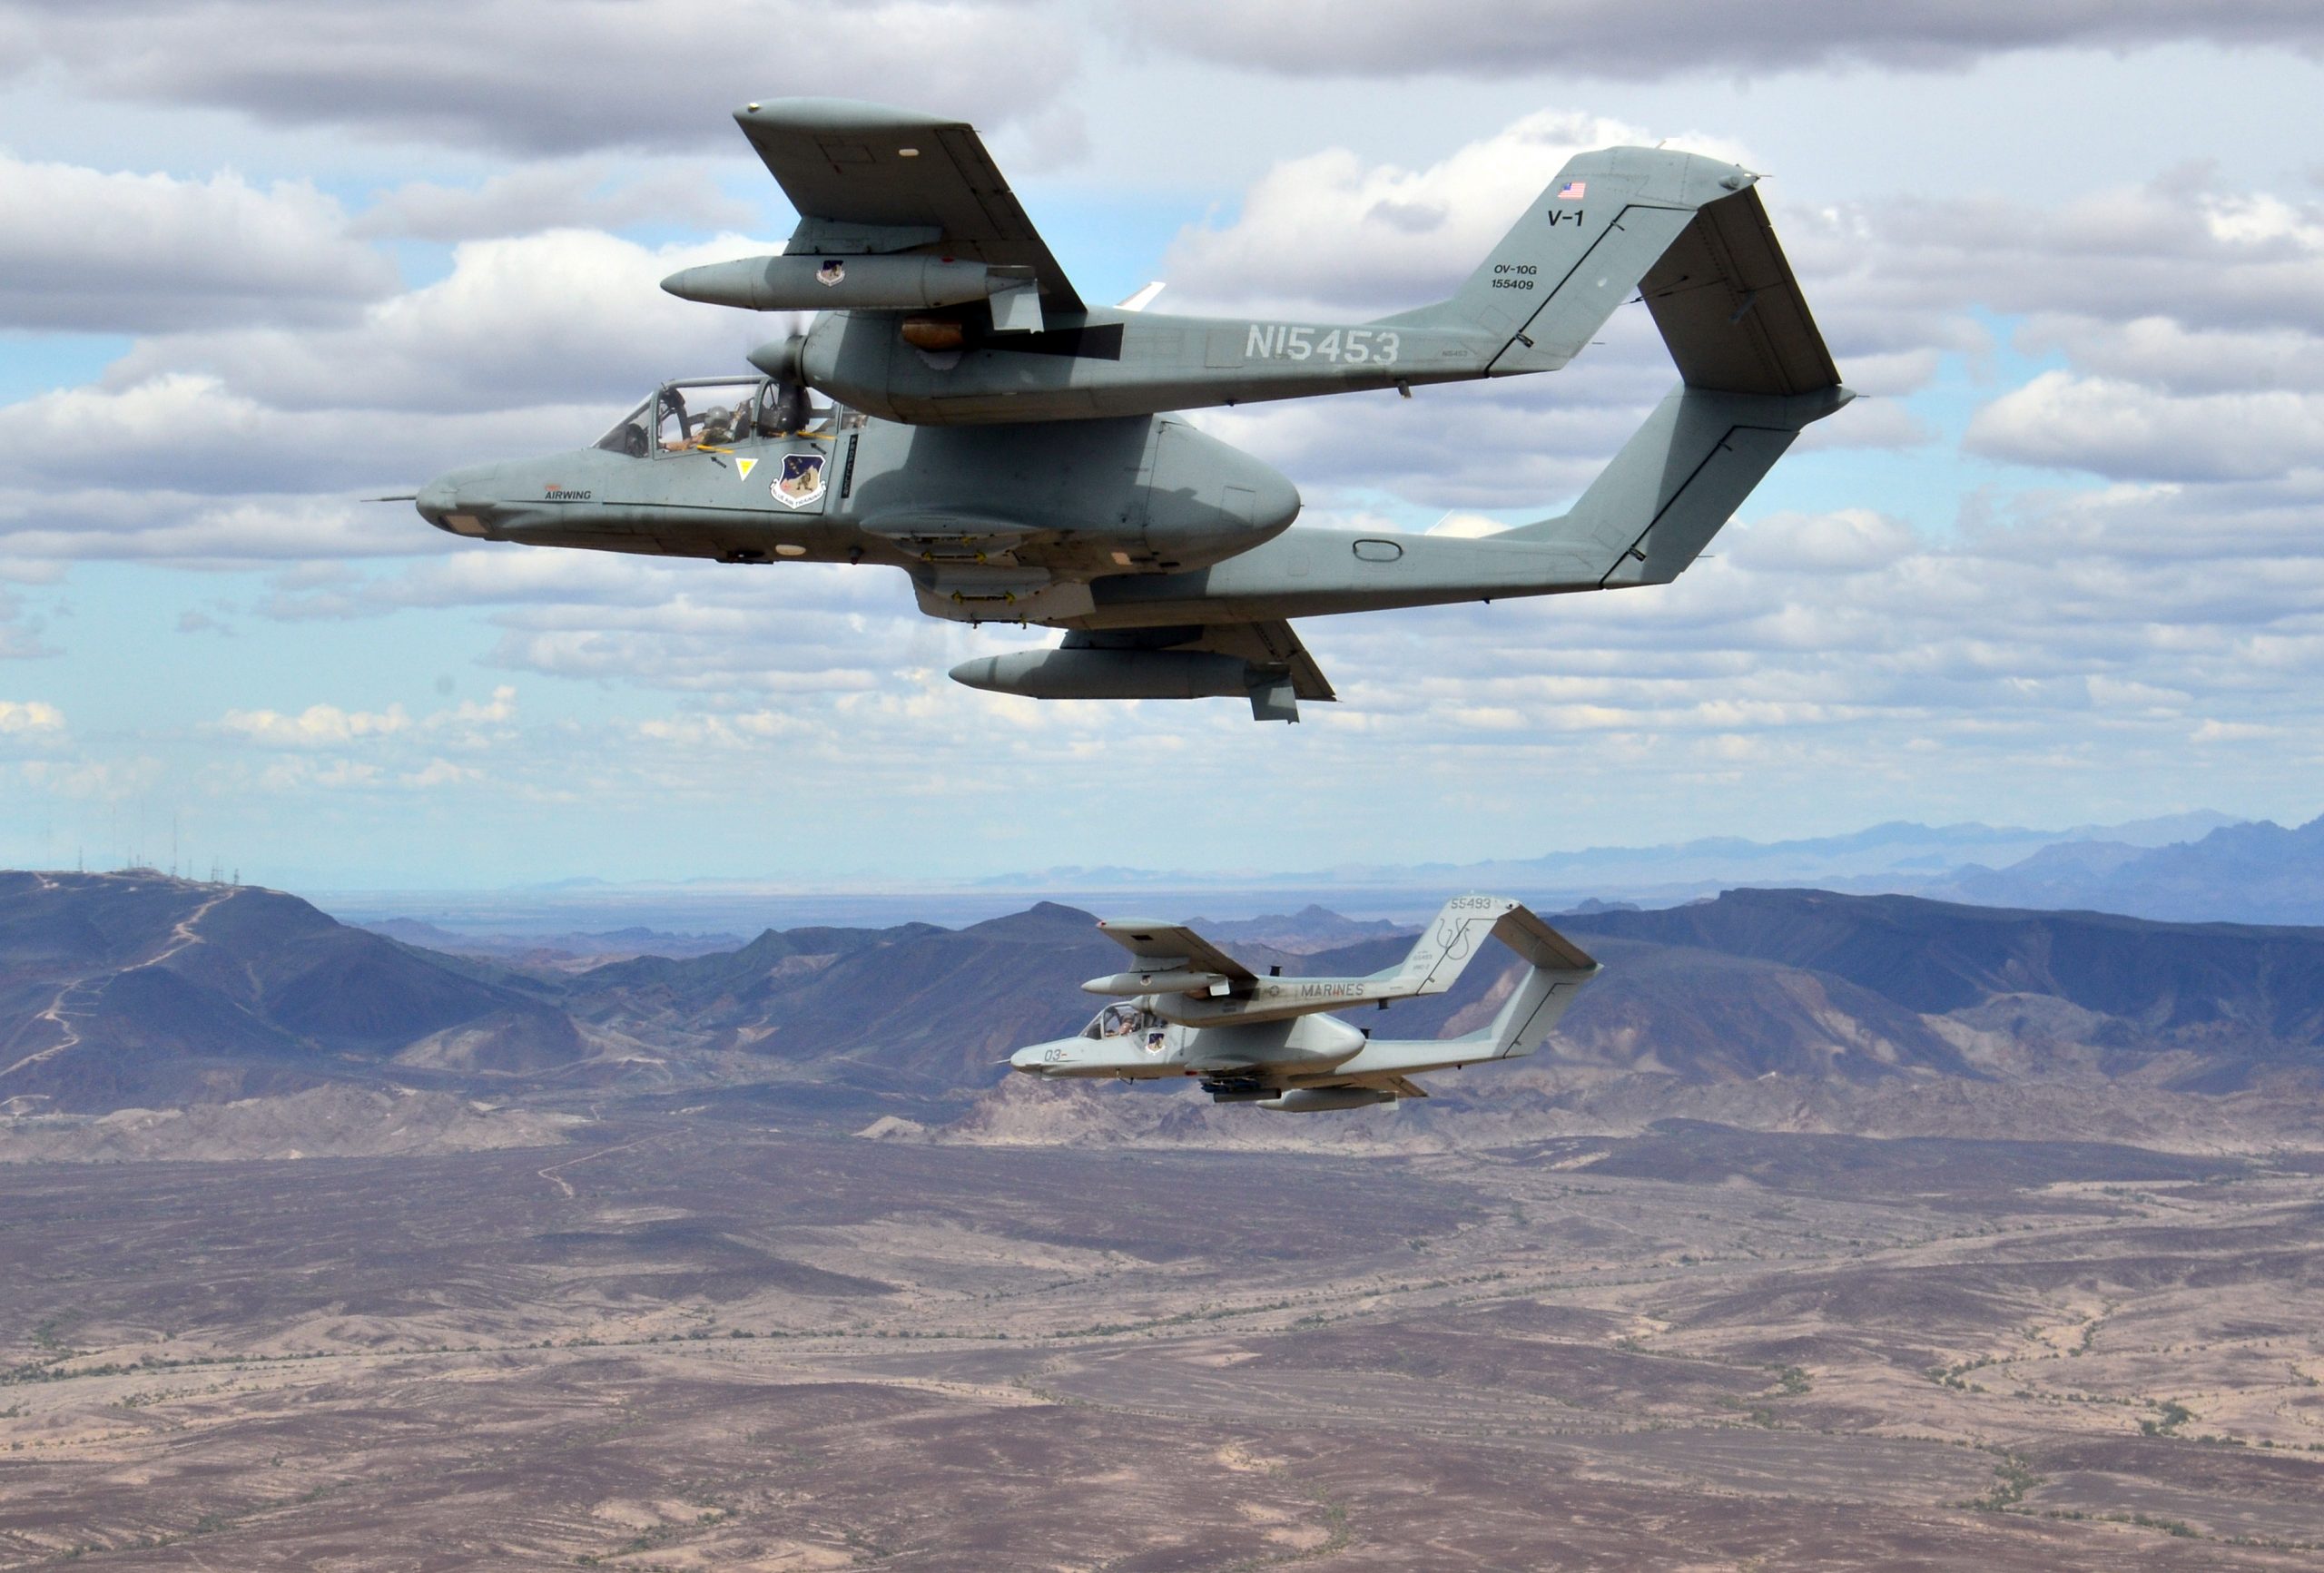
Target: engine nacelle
[(1110, 675), (1309, 1100), (813, 283)]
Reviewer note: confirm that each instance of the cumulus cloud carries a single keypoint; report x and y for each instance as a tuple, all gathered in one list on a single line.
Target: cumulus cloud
[(196, 530), (20, 716), (1803, 627), (316, 726), (1647, 39), (190, 432), (525, 320), (2125, 429), (2176, 248), (330, 727), (1329, 232), (116, 252), (660, 623), (550, 76), (558, 194), (256, 441), (1849, 541), (795, 630), (2161, 352), (723, 663), (2230, 732)]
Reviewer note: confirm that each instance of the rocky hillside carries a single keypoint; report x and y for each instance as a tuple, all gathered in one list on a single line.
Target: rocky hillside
[(134, 988), (2207, 1005), (122, 990), (925, 1008)]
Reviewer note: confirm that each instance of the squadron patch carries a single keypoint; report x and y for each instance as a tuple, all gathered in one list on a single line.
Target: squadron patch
[(830, 272), (801, 482)]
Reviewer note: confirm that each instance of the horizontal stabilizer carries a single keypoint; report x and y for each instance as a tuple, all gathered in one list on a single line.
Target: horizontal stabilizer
[(1523, 931), (1730, 310)]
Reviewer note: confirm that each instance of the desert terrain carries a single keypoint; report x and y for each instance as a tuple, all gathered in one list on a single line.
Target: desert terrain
[(687, 1339), (1830, 1231)]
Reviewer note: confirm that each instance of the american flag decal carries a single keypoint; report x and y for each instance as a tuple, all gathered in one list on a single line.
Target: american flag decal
[(1573, 190)]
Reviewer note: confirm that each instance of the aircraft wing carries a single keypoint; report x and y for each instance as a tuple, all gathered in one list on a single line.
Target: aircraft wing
[(1270, 643), (1267, 643), (866, 178), (1171, 948)]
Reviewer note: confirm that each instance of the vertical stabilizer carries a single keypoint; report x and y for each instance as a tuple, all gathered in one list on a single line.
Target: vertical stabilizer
[(1578, 251), (1559, 969), (1449, 942)]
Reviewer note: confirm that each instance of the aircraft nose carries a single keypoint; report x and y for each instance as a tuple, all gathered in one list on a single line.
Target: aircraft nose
[(460, 502), (434, 501)]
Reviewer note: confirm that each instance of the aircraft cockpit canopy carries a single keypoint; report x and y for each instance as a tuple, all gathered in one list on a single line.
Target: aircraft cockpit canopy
[(1122, 1021), (716, 412)]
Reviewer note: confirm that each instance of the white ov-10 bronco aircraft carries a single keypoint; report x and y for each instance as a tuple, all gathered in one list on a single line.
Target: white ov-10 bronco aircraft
[(1186, 1008)]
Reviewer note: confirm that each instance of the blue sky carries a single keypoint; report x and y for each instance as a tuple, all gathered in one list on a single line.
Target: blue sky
[(2061, 565)]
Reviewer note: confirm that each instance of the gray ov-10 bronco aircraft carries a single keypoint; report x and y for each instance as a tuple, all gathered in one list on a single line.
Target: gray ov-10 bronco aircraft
[(1008, 446), (1188, 1008)]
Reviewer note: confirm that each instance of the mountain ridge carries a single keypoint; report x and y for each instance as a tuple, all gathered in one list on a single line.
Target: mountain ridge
[(136, 990)]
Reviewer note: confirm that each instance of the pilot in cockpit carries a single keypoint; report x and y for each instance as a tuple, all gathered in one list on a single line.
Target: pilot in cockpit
[(720, 425)]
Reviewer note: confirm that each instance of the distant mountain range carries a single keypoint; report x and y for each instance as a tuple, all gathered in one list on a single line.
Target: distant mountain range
[(1677, 870), (2241, 873), (2198, 866), (554, 949), (1312, 927), (139, 990)]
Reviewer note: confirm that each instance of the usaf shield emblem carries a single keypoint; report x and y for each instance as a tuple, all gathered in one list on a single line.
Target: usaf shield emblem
[(802, 481)]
